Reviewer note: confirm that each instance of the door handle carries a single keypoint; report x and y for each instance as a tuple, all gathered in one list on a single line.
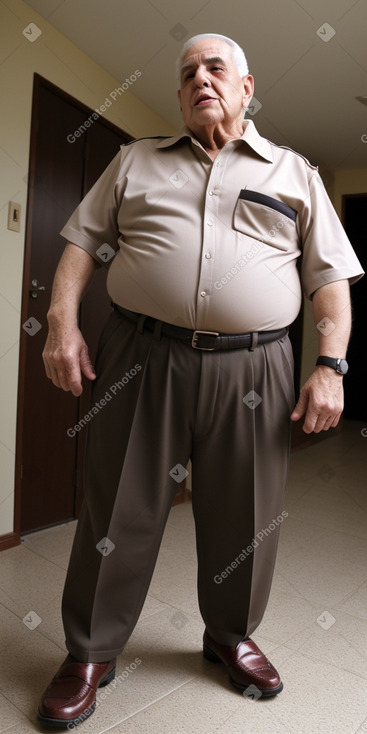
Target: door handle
[(36, 288)]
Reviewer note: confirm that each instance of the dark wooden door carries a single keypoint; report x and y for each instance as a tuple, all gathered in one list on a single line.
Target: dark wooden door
[(60, 174)]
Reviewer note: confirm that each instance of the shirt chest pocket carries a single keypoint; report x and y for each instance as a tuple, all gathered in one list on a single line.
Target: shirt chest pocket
[(266, 219)]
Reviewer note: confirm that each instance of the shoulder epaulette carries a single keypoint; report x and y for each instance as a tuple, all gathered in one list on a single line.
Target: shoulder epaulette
[(285, 147), (153, 137)]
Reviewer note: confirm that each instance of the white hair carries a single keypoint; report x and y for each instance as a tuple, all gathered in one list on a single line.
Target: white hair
[(239, 57)]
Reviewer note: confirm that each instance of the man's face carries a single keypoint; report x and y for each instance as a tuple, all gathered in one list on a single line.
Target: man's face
[(212, 90)]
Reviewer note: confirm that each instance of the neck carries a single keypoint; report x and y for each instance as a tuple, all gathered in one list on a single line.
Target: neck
[(214, 137)]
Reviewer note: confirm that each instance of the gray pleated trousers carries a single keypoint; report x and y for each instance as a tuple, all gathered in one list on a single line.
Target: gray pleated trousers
[(156, 403)]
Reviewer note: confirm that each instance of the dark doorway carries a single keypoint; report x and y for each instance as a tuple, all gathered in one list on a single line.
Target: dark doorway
[(355, 385)]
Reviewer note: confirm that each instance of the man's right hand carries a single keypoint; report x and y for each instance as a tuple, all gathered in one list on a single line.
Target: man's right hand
[(65, 354), (66, 357)]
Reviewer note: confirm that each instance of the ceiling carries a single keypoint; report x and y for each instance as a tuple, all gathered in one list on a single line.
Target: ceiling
[(308, 57)]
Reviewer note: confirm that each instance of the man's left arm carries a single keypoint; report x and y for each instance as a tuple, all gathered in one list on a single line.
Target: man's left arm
[(321, 399)]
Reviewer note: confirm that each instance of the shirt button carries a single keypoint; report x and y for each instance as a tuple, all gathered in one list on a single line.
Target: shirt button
[(210, 222), (203, 294), (211, 193), (208, 255), (218, 164)]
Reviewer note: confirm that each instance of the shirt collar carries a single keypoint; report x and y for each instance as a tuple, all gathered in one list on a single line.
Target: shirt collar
[(250, 136)]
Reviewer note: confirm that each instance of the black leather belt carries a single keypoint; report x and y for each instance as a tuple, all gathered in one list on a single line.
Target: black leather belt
[(200, 339)]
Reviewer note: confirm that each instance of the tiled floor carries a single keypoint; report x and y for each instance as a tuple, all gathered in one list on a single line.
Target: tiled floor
[(314, 629)]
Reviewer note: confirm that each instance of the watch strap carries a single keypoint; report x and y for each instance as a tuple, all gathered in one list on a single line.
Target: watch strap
[(334, 363)]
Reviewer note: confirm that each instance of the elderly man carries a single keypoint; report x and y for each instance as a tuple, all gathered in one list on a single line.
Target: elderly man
[(207, 227)]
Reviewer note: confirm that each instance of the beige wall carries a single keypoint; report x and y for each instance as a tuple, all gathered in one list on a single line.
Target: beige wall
[(59, 61)]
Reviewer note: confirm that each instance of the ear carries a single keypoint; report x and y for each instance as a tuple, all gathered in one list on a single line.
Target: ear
[(179, 98), (248, 89)]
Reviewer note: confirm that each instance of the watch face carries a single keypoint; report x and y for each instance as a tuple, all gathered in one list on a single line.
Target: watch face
[(343, 367)]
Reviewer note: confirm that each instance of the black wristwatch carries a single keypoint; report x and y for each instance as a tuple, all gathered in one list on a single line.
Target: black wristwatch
[(339, 365)]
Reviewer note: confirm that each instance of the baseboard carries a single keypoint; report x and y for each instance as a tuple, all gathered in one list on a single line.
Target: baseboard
[(9, 540), (183, 495)]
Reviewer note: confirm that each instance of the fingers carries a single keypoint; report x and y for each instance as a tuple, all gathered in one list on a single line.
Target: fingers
[(330, 422), (300, 408), (52, 371), (320, 419), (73, 378), (86, 364), (311, 421), (320, 415), (65, 365), (336, 420), (64, 374)]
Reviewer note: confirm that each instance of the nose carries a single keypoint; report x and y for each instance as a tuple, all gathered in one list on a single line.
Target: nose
[(201, 77)]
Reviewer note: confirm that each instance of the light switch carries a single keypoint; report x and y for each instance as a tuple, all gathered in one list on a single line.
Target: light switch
[(14, 216)]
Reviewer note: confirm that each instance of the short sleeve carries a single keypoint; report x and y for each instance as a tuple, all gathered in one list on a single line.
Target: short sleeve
[(93, 224), (327, 254)]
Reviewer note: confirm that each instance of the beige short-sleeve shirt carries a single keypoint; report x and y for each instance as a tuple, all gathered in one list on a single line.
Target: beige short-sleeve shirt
[(213, 244)]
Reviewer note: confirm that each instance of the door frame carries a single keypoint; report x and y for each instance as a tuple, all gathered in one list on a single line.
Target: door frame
[(13, 538), (344, 198)]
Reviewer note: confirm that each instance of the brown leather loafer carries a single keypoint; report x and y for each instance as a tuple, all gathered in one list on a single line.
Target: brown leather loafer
[(71, 696), (247, 666)]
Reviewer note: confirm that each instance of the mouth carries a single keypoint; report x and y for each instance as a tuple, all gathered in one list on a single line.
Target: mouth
[(203, 100)]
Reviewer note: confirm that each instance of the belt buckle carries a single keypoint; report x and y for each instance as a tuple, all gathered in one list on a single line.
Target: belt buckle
[(196, 336)]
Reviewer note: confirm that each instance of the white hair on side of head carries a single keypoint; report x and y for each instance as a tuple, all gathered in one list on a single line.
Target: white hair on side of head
[(239, 57)]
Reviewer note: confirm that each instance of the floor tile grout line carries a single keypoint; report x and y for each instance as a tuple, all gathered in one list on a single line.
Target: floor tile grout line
[(152, 703), (44, 558), (347, 598), (12, 726), (37, 629), (317, 659)]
